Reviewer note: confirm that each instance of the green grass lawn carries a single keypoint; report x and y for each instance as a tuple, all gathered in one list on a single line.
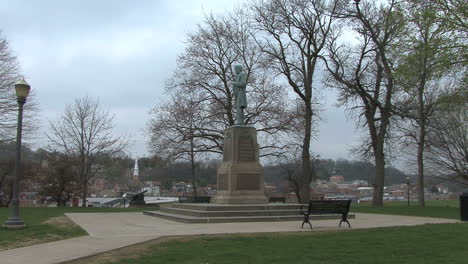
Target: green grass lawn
[(441, 209), (47, 224), (436, 243)]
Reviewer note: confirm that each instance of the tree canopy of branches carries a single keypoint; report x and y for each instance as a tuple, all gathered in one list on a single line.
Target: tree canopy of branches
[(426, 59), (364, 75), (448, 138), (454, 13), (200, 104), (83, 132), (207, 67), (9, 75), (293, 35)]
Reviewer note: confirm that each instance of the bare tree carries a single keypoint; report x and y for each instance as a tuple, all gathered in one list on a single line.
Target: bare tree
[(364, 75), (83, 132), (206, 69), (176, 130), (290, 164), (447, 151), (293, 34), (9, 75), (59, 180)]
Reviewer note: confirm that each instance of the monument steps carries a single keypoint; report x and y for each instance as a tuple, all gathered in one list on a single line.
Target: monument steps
[(237, 207), (222, 213), (198, 213), (201, 220)]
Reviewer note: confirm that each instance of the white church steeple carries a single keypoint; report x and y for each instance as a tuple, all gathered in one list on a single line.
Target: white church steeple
[(135, 169)]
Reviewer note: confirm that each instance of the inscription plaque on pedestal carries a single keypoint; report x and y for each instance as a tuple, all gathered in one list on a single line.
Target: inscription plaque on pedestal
[(223, 181), (248, 181), (245, 148)]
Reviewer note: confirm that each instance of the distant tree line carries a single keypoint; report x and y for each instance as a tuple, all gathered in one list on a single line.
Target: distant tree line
[(56, 176)]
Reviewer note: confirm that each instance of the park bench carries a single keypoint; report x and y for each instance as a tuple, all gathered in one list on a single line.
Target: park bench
[(318, 207), (277, 199), (196, 199)]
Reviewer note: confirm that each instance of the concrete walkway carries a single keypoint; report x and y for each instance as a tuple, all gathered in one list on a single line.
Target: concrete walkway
[(108, 231)]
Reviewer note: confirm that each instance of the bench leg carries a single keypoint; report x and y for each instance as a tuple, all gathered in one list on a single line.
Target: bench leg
[(346, 221), (306, 220)]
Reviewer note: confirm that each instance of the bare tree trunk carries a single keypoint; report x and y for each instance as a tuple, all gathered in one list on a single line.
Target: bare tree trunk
[(84, 182), (193, 167), (192, 158), (194, 182), (304, 193), (297, 190), (290, 168), (306, 168), (421, 143), (379, 178), (84, 191)]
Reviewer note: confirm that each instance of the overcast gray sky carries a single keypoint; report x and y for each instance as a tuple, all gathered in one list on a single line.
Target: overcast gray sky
[(122, 52)]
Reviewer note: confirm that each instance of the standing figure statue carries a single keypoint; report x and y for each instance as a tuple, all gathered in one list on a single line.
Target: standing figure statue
[(240, 84)]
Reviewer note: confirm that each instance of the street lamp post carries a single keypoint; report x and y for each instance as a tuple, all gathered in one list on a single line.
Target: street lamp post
[(15, 221), (408, 181)]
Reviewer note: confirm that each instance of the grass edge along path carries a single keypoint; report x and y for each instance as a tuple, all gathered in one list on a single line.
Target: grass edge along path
[(437, 209), (47, 224), (431, 243)]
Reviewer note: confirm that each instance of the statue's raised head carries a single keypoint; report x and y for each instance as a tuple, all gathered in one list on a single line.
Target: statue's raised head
[(238, 68)]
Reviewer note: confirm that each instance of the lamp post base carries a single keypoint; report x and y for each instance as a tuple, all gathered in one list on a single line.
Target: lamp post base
[(14, 223)]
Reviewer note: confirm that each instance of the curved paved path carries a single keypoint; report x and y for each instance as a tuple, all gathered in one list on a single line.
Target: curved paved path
[(108, 231)]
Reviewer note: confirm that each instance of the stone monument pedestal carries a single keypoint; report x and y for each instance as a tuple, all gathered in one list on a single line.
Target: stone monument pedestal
[(240, 176)]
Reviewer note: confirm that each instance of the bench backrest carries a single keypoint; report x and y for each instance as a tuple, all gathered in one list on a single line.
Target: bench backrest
[(196, 199), (329, 206)]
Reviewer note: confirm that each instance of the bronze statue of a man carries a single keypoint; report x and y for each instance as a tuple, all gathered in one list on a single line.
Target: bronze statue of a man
[(240, 84)]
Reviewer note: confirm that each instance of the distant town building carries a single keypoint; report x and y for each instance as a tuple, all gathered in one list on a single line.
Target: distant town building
[(336, 179), (152, 190), (360, 183), (181, 187)]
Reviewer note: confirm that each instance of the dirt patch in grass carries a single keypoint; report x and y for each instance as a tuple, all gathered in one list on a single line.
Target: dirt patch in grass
[(30, 242), (18, 244), (60, 222), (41, 233)]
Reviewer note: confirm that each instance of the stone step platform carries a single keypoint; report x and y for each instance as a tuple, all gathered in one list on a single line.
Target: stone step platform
[(205, 220), (237, 207), (198, 213), (222, 213)]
